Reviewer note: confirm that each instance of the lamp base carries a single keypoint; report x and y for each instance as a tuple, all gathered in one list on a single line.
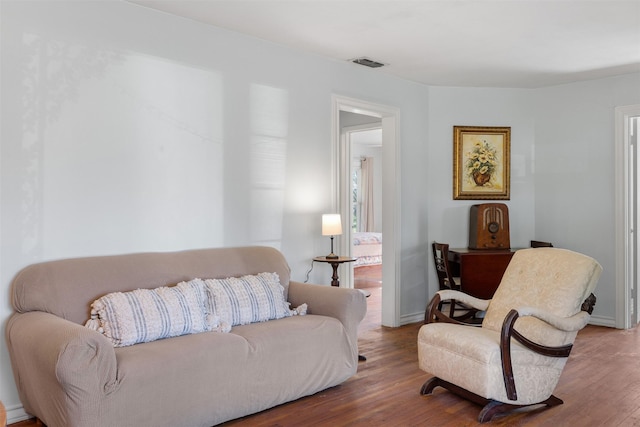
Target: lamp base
[(332, 255)]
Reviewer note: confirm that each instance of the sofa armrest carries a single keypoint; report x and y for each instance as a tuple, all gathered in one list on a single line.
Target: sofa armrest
[(56, 360), (347, 305)]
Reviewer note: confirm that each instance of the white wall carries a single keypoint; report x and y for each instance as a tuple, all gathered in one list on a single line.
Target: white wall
[(125, 129), (562, 167), (574, 172), (448, 107)]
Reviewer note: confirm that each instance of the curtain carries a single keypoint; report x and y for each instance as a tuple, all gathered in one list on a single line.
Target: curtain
[(366, 212)]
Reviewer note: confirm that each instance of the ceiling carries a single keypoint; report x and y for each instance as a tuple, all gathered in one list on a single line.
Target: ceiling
[(370, 137), (477, 43)]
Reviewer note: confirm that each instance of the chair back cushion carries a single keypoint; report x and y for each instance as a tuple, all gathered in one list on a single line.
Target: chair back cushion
[(551, 279)]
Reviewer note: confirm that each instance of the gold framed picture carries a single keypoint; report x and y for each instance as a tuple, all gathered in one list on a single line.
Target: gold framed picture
[(481, 163)]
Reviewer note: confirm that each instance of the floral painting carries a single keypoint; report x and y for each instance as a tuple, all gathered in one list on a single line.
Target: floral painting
[(481, 162)]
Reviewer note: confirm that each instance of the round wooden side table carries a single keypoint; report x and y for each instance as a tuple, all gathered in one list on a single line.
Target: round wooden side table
[(334, 262)]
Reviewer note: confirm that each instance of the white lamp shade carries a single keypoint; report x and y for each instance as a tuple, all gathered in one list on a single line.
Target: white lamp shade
[(331, 225)]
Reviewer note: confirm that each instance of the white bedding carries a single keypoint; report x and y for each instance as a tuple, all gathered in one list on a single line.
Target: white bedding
[(367, 248)]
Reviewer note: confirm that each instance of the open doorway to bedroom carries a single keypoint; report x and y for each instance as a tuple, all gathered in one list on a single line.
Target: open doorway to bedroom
[(365, 220), (356, 123)]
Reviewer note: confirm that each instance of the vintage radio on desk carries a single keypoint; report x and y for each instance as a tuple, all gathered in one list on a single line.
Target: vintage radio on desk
[(489, 226)]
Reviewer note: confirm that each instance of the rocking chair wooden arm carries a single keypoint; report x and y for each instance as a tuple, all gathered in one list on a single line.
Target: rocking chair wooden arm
[(434, 313), (473, 302), (570, 324)]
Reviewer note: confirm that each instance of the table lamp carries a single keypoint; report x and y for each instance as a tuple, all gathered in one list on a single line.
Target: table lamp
[(331, 226)]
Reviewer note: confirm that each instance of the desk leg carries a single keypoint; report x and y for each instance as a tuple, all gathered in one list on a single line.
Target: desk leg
[(334, 278)]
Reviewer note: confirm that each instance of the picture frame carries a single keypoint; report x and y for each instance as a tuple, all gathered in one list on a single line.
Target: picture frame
[(481, 163)]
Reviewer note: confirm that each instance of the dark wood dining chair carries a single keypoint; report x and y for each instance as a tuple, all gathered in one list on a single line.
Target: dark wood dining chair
[(443, 270), (446, 280), (540, 244)]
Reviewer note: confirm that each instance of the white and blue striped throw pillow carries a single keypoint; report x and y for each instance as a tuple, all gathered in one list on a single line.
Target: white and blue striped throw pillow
[(144, 315), (247, 299)]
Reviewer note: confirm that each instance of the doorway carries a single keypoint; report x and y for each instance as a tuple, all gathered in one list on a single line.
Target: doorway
[(627, 128), (362, 135), (387, 119)]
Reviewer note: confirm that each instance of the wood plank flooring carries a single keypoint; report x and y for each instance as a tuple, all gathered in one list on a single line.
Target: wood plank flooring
[(600, 386), (369, 278)]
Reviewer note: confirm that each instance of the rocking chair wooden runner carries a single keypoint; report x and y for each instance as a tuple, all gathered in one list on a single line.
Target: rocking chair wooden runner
[(544, 299)]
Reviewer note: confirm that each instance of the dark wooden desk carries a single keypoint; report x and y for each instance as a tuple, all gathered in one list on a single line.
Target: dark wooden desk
[(480, 270)]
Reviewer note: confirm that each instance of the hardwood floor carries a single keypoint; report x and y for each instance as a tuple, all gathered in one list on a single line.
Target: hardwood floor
[(600, 386), (369, 278)]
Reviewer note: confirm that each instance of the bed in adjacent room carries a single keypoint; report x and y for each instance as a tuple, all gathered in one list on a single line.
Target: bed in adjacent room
[(367, 248)]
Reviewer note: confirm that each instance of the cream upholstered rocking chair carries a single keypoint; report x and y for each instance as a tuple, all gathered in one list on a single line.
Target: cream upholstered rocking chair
[(516, 357)]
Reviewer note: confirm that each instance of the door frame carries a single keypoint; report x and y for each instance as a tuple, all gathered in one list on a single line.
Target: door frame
[(626, 241), (341, 167)]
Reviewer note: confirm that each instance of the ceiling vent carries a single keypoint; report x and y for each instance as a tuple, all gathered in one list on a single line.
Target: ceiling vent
[(368, 62)]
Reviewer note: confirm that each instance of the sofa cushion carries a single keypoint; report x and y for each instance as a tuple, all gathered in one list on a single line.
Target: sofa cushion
[(247, 299), (145, 315), (219, 377)]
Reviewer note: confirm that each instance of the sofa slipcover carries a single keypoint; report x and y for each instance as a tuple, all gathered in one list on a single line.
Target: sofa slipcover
[(70, 375)]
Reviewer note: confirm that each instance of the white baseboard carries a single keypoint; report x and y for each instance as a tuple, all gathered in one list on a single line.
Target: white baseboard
[(412, 318), (602, 321), (16, 414)]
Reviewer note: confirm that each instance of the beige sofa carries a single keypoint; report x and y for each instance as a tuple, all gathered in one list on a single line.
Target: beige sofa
[(69, 375)]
